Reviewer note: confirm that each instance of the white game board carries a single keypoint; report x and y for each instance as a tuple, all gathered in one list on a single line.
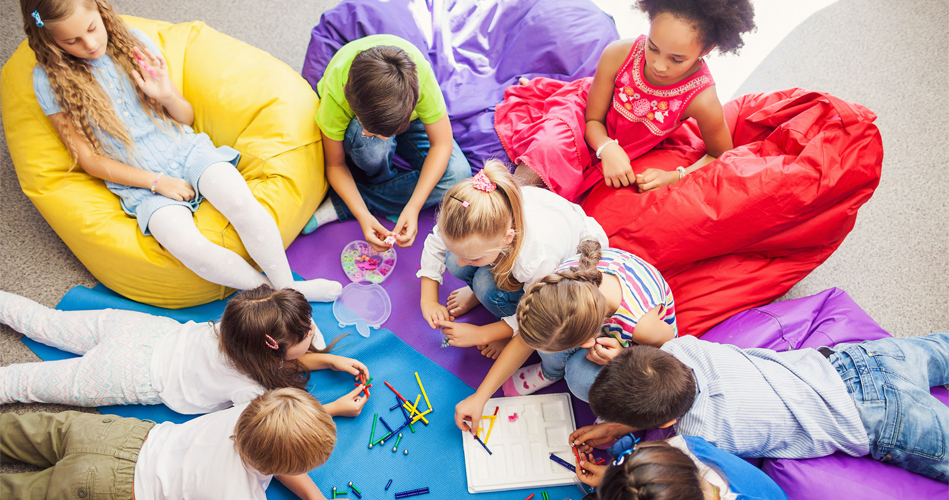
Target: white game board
[(521, 450)]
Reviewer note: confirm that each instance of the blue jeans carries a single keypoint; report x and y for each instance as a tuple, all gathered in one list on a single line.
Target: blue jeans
[(889, 382), (384, 188), (481, 281), (573, 365)]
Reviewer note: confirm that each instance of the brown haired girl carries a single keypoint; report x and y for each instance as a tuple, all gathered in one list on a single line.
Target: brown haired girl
[(497, 237), (107, 92), (129, 357)]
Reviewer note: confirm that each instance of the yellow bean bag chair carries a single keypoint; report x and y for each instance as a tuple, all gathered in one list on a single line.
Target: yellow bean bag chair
[(242, 97)]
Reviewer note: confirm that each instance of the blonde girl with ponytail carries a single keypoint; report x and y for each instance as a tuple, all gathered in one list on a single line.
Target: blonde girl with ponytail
[(498, 238), (107, 92), (578, 319)]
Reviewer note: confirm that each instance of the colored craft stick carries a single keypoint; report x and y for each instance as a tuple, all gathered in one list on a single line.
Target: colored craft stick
[(397, 441), (563, 462), (421, 416), (529, 498), (484, 446), (373, 434), (388, 484), (397, 405), (342, 493), (576, 453), (383, 438), (402, 426), (420, 386), (396, 392), (334, 492), (354, 487), (495, 416), (417, 399), (544, 495), (368, 381), (412, 493), (602, 460), (385, 424)]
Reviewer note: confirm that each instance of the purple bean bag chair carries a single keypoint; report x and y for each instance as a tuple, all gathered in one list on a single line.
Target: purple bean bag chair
[(825, 319), (476, 48)]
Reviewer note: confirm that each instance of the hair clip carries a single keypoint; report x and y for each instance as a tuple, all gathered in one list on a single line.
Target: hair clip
[(463, 202), (36, 16), (622, 456), (481, 182), (271, 343)]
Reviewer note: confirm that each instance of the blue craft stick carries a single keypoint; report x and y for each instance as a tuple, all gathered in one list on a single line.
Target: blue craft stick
[(397, 405), (388, 484), (483, 445), (564, 463), (412, 493), (404, 413), (385, 424)]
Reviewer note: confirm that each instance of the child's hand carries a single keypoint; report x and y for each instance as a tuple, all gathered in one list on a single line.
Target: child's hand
[(433, 312), (406, 228), (343, 364), (590, 436), (605, 349), (375, 233), (469, 409), (174, 188), (653, 178), (461, 334), (349, 405), (588, 472), (617, 171), (152, 76)]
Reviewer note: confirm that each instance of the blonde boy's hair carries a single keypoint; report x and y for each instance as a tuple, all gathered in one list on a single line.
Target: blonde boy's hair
[(468, 213), (285, 432), (566, 309)]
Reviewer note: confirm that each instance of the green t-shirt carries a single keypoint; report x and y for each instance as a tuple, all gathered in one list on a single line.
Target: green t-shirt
[(334, 114)]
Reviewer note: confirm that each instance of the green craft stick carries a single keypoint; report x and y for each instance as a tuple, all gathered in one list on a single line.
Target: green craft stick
[(397, 441), (373, 434), (383, 438)]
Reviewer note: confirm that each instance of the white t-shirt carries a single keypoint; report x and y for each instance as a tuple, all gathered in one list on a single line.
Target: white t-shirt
[(196, 460), (192, 375), (553, 229)]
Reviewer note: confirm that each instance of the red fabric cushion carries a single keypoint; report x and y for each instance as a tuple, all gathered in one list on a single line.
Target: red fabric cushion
[(742, 231)]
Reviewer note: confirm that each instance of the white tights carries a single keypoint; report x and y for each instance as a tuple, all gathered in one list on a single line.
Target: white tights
[(173, 226)]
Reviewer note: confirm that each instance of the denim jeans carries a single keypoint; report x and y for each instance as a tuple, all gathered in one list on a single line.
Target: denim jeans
[(573, 365), (481, 281), (889, 381), (383, 187)]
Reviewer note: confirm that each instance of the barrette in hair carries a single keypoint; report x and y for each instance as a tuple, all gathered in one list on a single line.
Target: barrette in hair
[(622, 456), (36, 16), (463, 202), (271, 343), (481, 182)]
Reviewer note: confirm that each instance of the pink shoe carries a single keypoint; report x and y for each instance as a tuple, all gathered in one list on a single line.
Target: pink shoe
[(527, 380)]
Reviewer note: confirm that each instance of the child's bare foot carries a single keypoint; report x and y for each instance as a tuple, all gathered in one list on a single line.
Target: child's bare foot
[(523, 81), (527, 177), (493, 349), (461, 301)]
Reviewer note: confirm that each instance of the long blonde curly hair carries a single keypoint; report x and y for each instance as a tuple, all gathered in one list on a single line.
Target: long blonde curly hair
[(83, 101)]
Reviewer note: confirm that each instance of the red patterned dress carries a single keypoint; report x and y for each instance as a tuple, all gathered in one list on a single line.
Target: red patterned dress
[(542, 124)]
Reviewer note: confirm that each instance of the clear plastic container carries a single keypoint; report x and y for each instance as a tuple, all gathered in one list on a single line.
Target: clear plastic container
[(362, 305), (361, 262)]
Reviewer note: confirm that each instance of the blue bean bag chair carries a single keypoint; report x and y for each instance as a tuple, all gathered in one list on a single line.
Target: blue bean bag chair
[(477, 49)]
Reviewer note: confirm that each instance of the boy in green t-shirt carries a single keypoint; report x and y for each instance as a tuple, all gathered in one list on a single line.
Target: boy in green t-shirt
[(379, 97)]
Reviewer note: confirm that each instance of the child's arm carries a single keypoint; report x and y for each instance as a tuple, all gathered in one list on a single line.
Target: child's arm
[(467, 335), (616, 169), (433, 311), (708, 113), (440, 138), (471, 409), (303, 486), (108, 169), (321, 361), (158, 85), (341, 179), (652, 330), (591, 436)]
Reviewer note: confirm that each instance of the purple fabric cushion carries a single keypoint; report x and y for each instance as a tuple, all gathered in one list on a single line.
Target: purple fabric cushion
[(476, 49), (825, 319)]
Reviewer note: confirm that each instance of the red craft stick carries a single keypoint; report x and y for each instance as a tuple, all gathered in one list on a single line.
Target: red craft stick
[(601, 461), (396, 392)]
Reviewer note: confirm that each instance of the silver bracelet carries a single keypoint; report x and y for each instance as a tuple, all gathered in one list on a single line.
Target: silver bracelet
[(600, 149)]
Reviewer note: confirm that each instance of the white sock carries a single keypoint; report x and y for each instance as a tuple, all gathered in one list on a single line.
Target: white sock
[(527, 380), (326, 212)]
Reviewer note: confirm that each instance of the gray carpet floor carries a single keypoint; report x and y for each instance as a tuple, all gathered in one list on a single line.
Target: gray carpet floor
[(891, 56)]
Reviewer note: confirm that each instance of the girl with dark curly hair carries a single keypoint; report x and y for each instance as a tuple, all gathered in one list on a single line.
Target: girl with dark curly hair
[(643, 89)]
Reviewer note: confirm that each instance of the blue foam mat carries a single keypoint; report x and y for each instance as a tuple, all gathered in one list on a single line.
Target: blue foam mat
[(435, 458)]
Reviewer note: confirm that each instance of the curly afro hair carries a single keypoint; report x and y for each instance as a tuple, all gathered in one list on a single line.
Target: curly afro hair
[(718, 22)]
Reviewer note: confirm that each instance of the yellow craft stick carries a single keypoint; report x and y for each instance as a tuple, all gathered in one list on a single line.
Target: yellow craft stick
[(427, 403), (493, 417), (417, 398), (421, 416)]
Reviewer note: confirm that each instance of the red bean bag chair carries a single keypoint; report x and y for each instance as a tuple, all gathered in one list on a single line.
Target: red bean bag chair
[(742, 231)]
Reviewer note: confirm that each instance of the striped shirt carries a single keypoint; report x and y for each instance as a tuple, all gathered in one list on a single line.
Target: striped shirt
[(643, 289), (763, 403)]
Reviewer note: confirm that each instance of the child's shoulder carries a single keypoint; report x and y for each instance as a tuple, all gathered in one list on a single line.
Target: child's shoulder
[(618, 51), (367, 42)]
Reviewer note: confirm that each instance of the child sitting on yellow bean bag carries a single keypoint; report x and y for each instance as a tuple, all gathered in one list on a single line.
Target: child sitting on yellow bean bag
[(242, 97)]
